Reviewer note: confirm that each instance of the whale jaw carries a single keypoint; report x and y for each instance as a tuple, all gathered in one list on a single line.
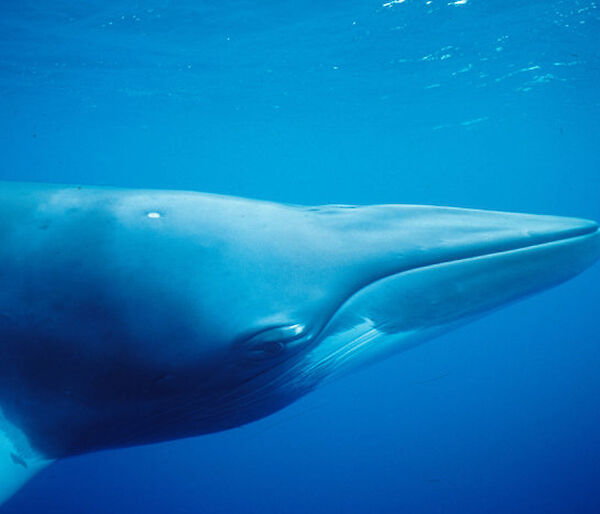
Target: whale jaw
[(406, 308)]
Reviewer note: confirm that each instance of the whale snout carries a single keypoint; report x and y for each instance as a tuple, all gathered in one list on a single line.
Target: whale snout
[(455, 265), (451, 234)]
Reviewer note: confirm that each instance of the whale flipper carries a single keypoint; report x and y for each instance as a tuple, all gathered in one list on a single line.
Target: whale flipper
[(18, 463)]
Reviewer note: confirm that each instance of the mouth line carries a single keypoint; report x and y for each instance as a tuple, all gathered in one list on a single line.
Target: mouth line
[(517, 244), (533, 242), (572, 236), (584, 231)]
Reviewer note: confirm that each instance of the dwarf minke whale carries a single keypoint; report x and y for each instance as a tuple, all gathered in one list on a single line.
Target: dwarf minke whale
[(130, 317)]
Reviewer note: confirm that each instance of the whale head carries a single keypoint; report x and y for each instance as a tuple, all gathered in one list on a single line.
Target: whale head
[(385, 278)]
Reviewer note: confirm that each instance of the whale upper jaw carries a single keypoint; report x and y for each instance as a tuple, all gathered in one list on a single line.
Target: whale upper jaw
[(405, 308)]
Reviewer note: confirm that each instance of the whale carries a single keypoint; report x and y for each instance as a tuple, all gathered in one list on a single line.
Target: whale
[(130, 317)]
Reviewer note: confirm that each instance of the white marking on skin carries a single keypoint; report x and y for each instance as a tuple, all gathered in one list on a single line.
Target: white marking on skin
[(154, 215)]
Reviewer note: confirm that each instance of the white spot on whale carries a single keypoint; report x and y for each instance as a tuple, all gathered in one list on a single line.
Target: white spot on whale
[(153, 215)]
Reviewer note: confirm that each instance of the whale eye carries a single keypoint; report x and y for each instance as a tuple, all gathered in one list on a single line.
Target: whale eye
[(275, 341)]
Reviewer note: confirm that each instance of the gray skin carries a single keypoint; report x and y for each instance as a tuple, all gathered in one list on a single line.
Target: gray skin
[(132, 317)]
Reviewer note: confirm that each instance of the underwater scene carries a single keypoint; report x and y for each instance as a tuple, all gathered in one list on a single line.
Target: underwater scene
[(257, 348)]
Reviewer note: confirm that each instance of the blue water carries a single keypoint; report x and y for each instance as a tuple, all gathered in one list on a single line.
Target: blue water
[(489, 104)]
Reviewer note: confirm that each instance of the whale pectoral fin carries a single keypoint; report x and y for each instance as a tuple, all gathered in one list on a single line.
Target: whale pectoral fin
[(16, 469)]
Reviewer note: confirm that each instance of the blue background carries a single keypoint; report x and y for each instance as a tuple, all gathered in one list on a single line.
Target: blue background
[(489, 104)]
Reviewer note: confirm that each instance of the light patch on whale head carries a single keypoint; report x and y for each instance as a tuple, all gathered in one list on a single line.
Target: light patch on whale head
[(153, 215), (18, 460), (14, 440)]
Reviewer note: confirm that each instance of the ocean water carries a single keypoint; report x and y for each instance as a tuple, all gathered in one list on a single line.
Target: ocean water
[(487, 104)]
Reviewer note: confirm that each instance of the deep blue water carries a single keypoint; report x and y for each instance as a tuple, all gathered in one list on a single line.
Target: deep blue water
[(489, 104)]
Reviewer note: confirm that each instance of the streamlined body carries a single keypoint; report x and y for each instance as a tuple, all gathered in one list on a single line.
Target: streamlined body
[(131, 317)]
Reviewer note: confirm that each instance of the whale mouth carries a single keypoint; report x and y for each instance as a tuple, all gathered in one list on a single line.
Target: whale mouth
[(564, 231), (406, 307), (496, 241), (580, 228), (581, 236)]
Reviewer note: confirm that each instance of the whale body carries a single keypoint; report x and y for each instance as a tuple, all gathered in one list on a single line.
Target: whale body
[(130, 317)]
